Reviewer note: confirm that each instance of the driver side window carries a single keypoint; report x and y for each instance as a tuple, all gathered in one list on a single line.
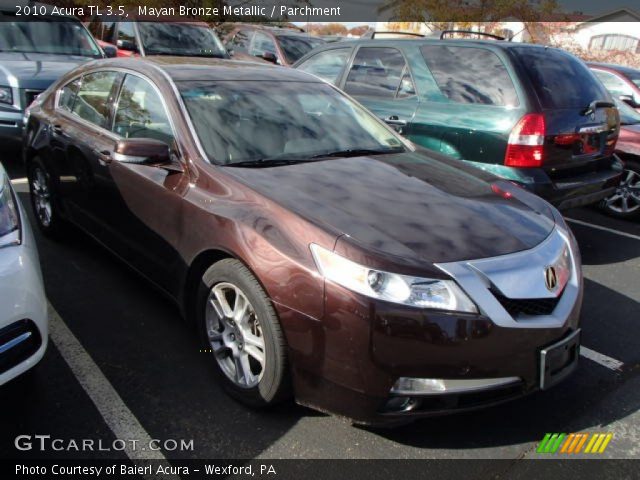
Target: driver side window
[(140, 112), (262, 43)]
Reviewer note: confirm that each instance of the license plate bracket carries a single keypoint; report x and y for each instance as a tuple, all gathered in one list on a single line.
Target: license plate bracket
[(559, 360)]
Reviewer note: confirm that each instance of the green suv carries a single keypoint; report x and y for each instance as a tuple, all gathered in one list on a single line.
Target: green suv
[(532, 114)]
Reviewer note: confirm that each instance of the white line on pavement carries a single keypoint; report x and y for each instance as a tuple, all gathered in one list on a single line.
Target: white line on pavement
[(604, 229), (115, 413), (608, 362)]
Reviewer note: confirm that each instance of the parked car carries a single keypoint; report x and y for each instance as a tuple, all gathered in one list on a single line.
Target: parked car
[(319, 253), (33, 54), (279, 45), (528, 113), (139, 36), (622, 82), (625, 201), (23, 305)]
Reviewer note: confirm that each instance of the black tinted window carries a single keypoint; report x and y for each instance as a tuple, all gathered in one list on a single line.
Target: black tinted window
[(327, 65), (93, 100), (560, 79), (184, 39), (140, 112), (470, 75), (378, 72)]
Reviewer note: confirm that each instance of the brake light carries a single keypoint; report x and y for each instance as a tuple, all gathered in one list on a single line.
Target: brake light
[(526, 142)]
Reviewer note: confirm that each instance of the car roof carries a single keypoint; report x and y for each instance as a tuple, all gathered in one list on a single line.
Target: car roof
[(436, 41), (199, 68)]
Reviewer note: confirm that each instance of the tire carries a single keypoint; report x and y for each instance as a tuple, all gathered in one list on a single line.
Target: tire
[(44, 201), (625, 202), (233, 347)]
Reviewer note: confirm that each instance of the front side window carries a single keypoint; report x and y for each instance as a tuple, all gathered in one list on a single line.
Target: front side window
[(126, 35), (297, 46), (327, 65), (470, 75), (93, 100), (613, 83), (253, 120), (378, 72), (182, 39), (262, 43), (140, 112)]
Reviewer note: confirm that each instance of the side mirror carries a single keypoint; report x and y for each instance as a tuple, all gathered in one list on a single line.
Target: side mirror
[(270, 57), (127, 45), (146, 151), (110, 51)]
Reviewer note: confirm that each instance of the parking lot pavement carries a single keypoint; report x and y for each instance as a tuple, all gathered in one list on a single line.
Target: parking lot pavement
[(149, 356)]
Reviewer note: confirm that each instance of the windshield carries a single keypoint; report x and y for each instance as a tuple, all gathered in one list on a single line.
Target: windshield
[(249, 121), (181, 39), (48, 35), (296, 46), (628, 116)]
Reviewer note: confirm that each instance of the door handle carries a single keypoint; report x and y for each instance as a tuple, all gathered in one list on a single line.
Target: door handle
[(395, 121), (104, 156)]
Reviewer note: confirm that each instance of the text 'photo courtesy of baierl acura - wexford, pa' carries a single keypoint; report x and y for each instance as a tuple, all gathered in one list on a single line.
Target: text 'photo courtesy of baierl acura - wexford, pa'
[(322, 239)]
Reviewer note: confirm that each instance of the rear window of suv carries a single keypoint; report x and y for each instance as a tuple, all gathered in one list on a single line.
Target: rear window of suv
[(559, 79)]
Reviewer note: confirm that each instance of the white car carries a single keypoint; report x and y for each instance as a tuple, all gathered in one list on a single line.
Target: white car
[(23, 305)]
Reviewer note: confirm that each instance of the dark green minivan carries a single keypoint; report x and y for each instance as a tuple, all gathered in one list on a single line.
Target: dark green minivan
[(532, 114)]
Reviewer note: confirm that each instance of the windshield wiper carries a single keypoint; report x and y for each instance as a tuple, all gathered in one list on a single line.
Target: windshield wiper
[(359, 152), (266, 162)]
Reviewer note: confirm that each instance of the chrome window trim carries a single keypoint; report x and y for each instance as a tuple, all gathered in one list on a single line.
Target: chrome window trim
[(476, 284), (126, 71)]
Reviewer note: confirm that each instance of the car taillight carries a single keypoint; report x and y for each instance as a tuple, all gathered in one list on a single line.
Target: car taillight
[(526, 142)]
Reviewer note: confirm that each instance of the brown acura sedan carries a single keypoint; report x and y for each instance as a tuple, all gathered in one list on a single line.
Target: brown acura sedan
[(320, 255)]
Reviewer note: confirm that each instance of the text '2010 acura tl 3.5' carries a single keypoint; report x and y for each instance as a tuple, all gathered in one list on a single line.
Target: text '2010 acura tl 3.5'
[(321, 255)]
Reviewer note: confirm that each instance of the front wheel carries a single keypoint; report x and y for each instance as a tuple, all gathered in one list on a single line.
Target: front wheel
[(241, 332), (625, 201)]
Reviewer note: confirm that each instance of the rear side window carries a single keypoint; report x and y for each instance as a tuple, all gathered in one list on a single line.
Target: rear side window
[(379, 72), (93, 100), (68, 95), (559, 79), (327, 65), (470, 75), (262, 44), (613, 83)]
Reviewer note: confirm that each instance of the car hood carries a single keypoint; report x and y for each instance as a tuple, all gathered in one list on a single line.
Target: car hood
[(35, 70), (629, 140), (408, 205)]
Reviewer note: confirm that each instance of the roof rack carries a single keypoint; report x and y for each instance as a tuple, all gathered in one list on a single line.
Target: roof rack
[(372, 34), (444, 33)]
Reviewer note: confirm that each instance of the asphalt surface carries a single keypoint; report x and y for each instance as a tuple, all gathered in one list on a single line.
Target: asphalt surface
[(151, 358)]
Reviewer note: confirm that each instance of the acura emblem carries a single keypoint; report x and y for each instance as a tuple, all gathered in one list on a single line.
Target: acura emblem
[(550, 278)]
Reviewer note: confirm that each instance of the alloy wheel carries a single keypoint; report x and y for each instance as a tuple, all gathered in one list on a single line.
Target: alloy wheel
[(626, 198), (235, 335), (41, 196)]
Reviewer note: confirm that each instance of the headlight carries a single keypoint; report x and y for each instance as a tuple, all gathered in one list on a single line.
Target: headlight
[(6, 96), (391, 287), (9, 220)]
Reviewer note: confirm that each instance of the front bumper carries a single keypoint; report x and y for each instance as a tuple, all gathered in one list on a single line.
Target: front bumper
[(23, 306), (348, 362)]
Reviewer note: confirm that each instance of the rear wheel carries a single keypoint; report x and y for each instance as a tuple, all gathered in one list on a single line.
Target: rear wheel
[(625, 201), (43, 200), (241, 332)]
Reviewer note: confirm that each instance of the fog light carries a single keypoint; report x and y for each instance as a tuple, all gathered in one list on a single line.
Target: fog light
[(439, 386), (401, 404)]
